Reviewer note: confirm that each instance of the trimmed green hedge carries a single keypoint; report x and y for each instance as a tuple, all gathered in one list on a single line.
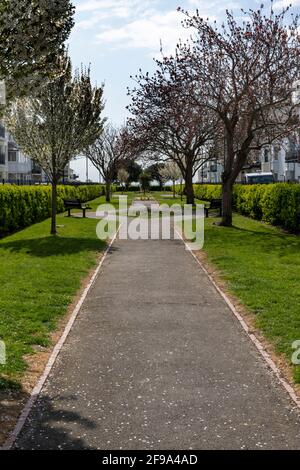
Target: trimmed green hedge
[(137, 189), (278, 204), (21, 206), (207, 191)]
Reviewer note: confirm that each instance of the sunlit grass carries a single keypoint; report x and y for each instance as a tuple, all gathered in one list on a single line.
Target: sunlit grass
[(39, 277), (261, 265)]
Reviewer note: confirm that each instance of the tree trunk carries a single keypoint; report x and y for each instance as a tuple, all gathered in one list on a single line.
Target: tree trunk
[(227, 191), (233, 166), (54, 208), (189, 188), (107, 191), (174, 190)]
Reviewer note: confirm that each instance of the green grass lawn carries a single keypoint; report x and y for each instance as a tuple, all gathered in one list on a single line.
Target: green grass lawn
[(114, 200), (39, 277), (166, 197), (261, 265)]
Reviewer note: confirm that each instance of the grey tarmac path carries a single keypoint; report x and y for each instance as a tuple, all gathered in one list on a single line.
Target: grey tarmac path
[(156, 360)]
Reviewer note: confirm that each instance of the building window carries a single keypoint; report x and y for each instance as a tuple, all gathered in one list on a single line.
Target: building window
[(12, 152), (2, 132), (2, 155), (12, 155), (276, 153), (266, 155)]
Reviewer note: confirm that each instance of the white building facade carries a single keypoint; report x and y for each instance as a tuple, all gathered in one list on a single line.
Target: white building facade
[(210, 172), (282, 160), (17, 168), (14, 166)]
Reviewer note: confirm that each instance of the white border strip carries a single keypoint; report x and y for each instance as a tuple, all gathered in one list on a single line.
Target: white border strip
[(289, 389), (39, 386)]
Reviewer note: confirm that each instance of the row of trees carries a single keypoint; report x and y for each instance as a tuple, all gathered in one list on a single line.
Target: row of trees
[(32, 37), (231, 87), (32, 34), (58, 121), (113, 155), (53, 112)]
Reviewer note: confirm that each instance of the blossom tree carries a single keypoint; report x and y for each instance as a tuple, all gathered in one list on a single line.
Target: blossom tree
[(246, 73), (58, 122), (166, 126), (32, 34), (107, 154), (171, 171)]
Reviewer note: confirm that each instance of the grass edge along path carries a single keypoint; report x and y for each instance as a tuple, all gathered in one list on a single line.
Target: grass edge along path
[(260, 266), (40, 276)]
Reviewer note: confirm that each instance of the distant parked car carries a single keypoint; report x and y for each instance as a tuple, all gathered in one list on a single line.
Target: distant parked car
[(259, 178)]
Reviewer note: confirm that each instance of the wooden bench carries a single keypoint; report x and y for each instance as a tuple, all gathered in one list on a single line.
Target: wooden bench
[(214, 204), (75, 204)]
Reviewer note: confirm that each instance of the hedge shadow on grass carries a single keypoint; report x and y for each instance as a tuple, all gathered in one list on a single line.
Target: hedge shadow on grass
[(53, 246), (284, 244), (286, 241)]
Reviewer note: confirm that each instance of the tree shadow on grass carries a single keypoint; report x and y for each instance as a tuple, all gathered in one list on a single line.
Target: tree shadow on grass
[(53, 246), (269, 240)]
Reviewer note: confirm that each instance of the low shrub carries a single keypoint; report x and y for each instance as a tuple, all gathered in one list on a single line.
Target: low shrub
[(278, 204), (21, 206), (207, 191)]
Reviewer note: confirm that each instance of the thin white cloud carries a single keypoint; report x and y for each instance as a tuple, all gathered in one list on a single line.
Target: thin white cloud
[(285, 3), (93, 5), (91, 22), (214, 5), (127, 6), (91, 13), (131, 24), (147, 33)]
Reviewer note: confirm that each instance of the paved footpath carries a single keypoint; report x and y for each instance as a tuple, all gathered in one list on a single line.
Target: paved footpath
[(156, 360)]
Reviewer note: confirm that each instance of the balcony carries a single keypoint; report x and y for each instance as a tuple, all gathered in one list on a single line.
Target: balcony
[(292, 156), (36, 170), (2, 132)]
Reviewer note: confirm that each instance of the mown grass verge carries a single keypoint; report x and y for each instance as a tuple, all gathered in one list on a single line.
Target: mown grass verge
[(261, 266), (40, 275)]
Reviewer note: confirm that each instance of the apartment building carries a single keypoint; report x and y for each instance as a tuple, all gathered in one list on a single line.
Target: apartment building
[(13, 164), (15, 167), (210, 172), (281, 159)]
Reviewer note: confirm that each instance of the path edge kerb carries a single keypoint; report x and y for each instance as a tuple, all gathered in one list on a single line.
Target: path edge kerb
[(259, 346), (56, 350)]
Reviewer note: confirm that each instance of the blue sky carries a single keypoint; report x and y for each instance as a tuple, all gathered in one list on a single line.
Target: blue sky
[(117, 37)]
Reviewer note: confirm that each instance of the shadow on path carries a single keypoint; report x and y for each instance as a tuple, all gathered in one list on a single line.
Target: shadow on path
[(55, 419)]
